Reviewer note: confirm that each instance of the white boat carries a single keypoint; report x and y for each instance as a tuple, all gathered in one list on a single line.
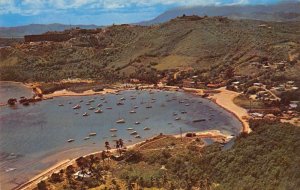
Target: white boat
[(120, 121), (92, 100), (91, 108), (113, 135), (85, 114), (133, 133), (137, 123), (86, 138), (113, 130), (132, 111), (146, 128), (71, 140), (137, 136), (98, 111), (92, 134), (104, 101), (177, 118), (77, 107), (102, 98), (183, 112), (10, 169), (187, 104), (99, 105), (174, 113), (60, 105), (135, 107), (87, 104), (123, 98), (129, 129)]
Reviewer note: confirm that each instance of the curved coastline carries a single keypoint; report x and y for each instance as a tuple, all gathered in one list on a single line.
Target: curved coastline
[(217, 99)]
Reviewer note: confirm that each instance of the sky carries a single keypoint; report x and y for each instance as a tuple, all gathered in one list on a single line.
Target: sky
[(99, 12)]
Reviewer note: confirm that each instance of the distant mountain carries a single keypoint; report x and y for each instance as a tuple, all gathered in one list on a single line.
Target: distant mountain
[(20, 31), (277, 12)]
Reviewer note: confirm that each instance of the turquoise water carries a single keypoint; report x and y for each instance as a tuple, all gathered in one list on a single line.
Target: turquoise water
[(35, 137)]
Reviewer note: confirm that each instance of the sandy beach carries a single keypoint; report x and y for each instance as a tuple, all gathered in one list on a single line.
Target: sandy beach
[(225, 100)]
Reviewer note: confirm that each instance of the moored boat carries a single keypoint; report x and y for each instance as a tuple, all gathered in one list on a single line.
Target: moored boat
[(98, 111), (92, 134), (133, 133), (85, 114), (146, 128), (71, 140), (77, 107), (113, 130), (120, 121)]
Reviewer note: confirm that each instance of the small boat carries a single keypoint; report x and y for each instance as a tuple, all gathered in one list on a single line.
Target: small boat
[(81, 101), (60, 105), (86, 138), (146, 128), (10, 169), (137, 123), (92, 100), (137, 136), (169, 123), (187, 104), (148, 106), (105, 101), (174, 113), (123, 98), (113, 130), (181, 102), (133, 98), (102, 98), (70, 102), (183, 112), (92, 134), (177, 118), (113, 135), (129, 129), (109, 108), (87, 104), (199, 120), (133, 133), (99, 105), (153, 98), (120, 103), (120, 121), (91, 108), (153, 101), (132, 111), (71, 140), (98, 111), (135, 107), (85, 114)]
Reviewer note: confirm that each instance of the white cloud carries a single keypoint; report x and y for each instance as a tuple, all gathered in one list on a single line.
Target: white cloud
[(33, 7)]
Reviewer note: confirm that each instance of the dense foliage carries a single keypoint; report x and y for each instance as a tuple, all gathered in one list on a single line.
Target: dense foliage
[(268, 158)]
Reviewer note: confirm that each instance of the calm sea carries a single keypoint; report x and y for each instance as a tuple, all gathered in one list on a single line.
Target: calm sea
[(34, 138)]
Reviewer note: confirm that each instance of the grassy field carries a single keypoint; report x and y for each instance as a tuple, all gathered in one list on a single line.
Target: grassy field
[(244, 102)]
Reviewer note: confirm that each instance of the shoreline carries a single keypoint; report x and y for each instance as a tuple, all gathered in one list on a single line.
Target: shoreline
[(222, 99), (30, 184)]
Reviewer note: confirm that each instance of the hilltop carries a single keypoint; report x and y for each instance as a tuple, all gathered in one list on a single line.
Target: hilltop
[(20, 31), (205, 45), (280, 12)]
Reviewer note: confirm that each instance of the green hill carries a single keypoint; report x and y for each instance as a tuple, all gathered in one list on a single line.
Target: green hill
[(208, 45)]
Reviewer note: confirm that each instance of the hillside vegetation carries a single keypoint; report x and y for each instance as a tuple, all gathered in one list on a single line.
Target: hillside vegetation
[(267, 158), (207, 45)]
